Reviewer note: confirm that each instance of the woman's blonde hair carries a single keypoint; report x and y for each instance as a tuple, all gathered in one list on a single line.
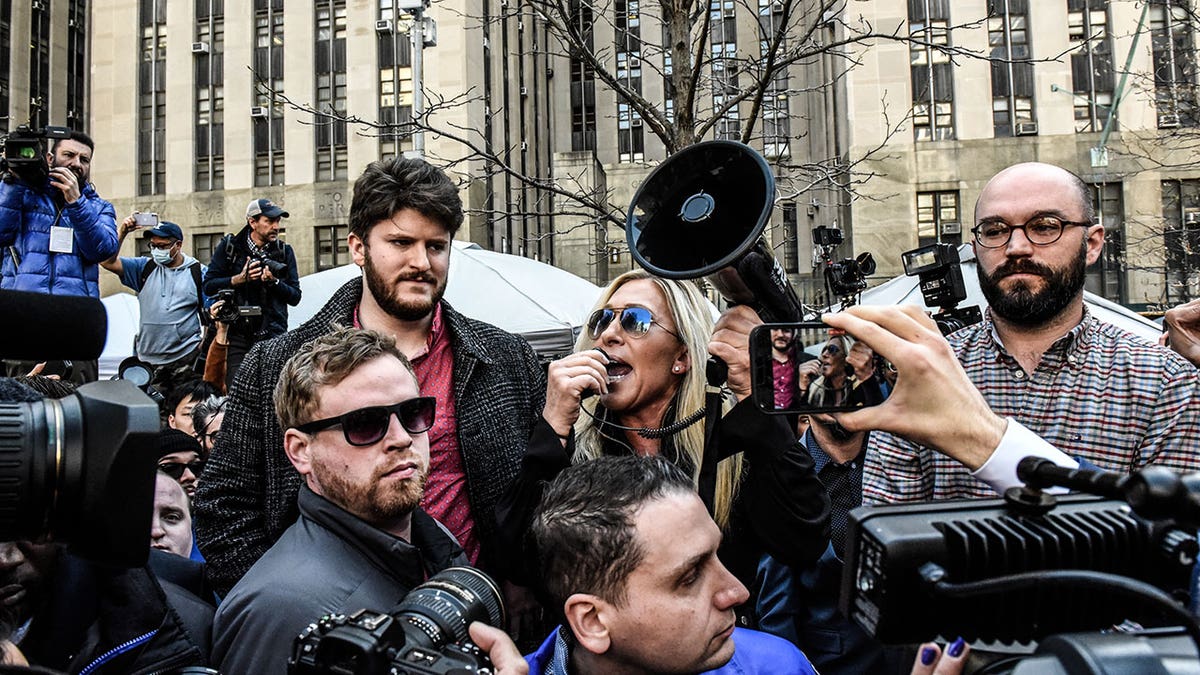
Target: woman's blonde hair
[(694, 325)]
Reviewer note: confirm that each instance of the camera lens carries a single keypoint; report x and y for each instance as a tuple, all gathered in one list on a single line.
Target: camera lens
[(81, 468), (442, 608)]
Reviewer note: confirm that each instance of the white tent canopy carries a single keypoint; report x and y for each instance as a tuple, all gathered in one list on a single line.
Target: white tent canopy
[(906, 290), (544, 304)]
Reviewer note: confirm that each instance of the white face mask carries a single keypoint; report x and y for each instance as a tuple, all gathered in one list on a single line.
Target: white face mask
[(161, 257)]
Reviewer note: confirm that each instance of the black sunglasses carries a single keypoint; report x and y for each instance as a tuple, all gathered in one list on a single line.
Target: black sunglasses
[(635, 321), (366, 426), (175, 469)]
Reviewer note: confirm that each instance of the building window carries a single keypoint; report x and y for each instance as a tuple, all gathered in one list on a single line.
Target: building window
[(5, 61), (208, 51), (937, 218), (776, 115), (583, 82), (791, 254), (1181, 238), (267, 112), (152, 98), (723, 50), (1012, 72), (77, 64), (630, 135), (392, 33), (1174, 63), (330, 63), (39, 63), (1106, 277), (332, 249), (203, 246), (1091, 63), (932, 72)]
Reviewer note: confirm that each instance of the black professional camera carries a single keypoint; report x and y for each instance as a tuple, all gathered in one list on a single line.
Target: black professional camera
[(278, 269), (845, 279), (940, 272), (425, 633), (231, 312), (81, 469), (25, 152)]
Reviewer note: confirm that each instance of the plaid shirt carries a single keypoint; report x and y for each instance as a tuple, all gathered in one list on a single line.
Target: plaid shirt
[(1099, 394)]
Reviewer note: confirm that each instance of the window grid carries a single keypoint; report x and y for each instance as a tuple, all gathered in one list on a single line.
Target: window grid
[(330, 63), (203, 246), (1106, 276), (39, 63), (1012, 72), (630, 134), (268, 93), (77, 64), (152, 98), (932, 72), (1181, 239), (394, 47), (332, 249), (938, 219), (1091, 64), (210, 95), (1174, 63), (776, 114)]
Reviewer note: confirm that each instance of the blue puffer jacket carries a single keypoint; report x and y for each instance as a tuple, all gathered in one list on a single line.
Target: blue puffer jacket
[(26, 216)]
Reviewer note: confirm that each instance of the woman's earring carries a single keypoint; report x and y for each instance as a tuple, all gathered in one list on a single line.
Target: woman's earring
[(676, 368)]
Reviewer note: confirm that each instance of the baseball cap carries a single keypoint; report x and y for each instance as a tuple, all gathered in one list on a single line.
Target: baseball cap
[(166, 229), (265, 207)]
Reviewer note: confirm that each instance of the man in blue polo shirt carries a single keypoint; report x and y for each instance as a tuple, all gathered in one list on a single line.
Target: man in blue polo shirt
[(170, 296), (628, 554)]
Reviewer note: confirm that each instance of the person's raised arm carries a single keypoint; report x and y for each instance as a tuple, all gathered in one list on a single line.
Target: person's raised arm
[(934, 403), (1183, 330), (113, 264)]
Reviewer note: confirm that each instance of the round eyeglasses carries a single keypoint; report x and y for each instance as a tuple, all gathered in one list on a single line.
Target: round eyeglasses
[(1040, 231)]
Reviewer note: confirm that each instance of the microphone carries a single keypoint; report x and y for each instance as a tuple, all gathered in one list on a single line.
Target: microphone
[(52, 327), (588, 393)]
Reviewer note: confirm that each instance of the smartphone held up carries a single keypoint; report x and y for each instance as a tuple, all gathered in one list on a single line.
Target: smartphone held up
[(808, 367)]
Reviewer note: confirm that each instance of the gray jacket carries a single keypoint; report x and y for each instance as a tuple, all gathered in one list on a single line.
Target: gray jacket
[(328, 561), (248, 495)]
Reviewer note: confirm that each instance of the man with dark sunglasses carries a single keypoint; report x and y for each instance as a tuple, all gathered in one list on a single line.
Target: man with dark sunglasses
[(357, 430), (1040, 358), (487, 383), (180, 458)]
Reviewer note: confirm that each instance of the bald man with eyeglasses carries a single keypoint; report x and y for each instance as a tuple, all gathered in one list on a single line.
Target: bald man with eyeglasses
[(1045, 365)]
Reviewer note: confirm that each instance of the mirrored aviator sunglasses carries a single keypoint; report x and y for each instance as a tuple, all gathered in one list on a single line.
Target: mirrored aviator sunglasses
[(635, 321), (367, 426)]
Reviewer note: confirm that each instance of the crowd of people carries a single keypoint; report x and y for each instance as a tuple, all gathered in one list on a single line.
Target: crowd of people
[(636, 517)]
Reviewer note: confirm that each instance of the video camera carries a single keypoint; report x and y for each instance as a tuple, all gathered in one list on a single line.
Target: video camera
[(425, 634), (940, 272), (1034, 566), (845, 279), (81, 468), (25, 152), (231, 312)]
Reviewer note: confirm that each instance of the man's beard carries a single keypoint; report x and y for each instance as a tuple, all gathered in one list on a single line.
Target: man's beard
[(1024, 307), (82, 177), (373, 502), (387, 297)]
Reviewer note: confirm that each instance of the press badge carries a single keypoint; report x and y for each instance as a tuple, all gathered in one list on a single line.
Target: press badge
[(62, 239)]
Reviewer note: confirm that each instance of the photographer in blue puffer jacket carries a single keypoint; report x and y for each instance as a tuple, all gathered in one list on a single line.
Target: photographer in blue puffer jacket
[(54, 235)]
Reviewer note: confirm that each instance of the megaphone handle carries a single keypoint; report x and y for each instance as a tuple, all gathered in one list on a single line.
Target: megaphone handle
[(716, 371)]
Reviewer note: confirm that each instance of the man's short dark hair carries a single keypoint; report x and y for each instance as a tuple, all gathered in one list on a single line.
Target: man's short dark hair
[(583, 532), (78, 137), (389, 185), (197, 389)]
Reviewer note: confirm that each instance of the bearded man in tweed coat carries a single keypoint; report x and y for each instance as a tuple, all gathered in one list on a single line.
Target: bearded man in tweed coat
[(488, 384)]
